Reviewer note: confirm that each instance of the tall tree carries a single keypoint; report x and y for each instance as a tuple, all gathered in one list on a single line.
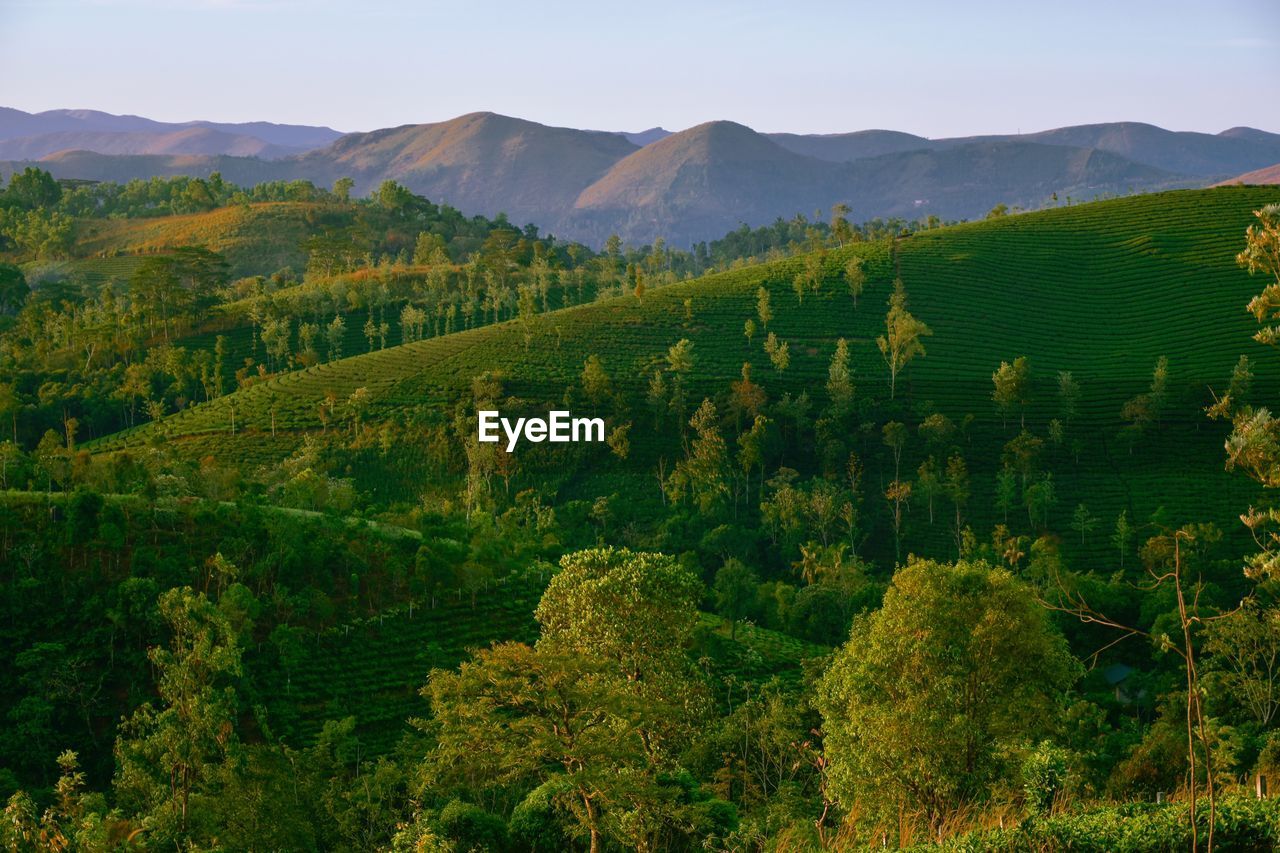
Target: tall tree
[(1012, 388), (901, 342), (165, 754)]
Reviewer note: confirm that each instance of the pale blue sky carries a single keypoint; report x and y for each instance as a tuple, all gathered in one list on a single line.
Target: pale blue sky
[(933, 68)]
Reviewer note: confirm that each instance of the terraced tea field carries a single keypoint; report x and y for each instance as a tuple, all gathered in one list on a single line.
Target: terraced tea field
[(372, 670)]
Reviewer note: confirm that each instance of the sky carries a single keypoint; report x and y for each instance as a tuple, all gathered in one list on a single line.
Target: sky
[(807, 66)]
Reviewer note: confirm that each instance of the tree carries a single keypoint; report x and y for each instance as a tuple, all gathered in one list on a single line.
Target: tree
[(702, 476), (656, 397), (855, 277), (840, 228), (33, 188), (166, 754), (749, 330), (1039, 497), (155, 285), (898, 494), (514, 713), (840, 380), (1145, 409), (335, 334), (392, 196), (1241, 383), (929, 482), (595, 381), (894, 434), (632, 608), (13, 289), (901, 342), (1012, 385), (1261, 254), (680, 357), (1068, 396), (811, 273), (763, 311), (956, 486), (342, 189), (1244, 658), (1123, 535), (926, 705), (1006, 490), (1168, 568), (751, 448), (1083, 521), (619, 440), (779, 352), (746, 397), (735, 590), (10, 405)]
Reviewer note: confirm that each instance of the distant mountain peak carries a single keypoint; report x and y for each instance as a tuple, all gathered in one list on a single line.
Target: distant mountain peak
[(644, 137)]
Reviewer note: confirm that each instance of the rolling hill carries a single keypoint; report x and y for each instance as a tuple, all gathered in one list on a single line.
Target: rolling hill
[(1101, 290), (478, 162), (709, 178)]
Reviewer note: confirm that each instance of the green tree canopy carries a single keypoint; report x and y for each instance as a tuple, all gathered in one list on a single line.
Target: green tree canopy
[(924, 705)]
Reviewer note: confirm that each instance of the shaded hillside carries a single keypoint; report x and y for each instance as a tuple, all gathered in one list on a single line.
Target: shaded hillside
[(709, 179), (1186, 153), (16, 124), (88, 165), (965, 181), (845, 147), (191, 140), (479, 163)]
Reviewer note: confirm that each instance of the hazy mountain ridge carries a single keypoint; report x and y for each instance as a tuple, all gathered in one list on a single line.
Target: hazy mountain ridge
[(191, 140), (685, 186), (16, 124), (1184, 152)]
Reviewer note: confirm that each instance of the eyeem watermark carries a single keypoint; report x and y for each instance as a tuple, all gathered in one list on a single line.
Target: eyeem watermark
[(557, 427)]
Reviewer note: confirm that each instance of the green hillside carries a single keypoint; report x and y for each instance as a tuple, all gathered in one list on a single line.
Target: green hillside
[(1101, 290)]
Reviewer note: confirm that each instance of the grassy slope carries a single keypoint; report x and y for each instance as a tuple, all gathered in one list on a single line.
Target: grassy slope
[(255, 239), (1100, 289)]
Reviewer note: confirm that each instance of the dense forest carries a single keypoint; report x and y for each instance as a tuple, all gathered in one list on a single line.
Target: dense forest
[(905, 534)]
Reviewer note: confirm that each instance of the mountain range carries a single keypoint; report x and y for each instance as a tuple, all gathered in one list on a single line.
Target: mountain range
[(685, 186)]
